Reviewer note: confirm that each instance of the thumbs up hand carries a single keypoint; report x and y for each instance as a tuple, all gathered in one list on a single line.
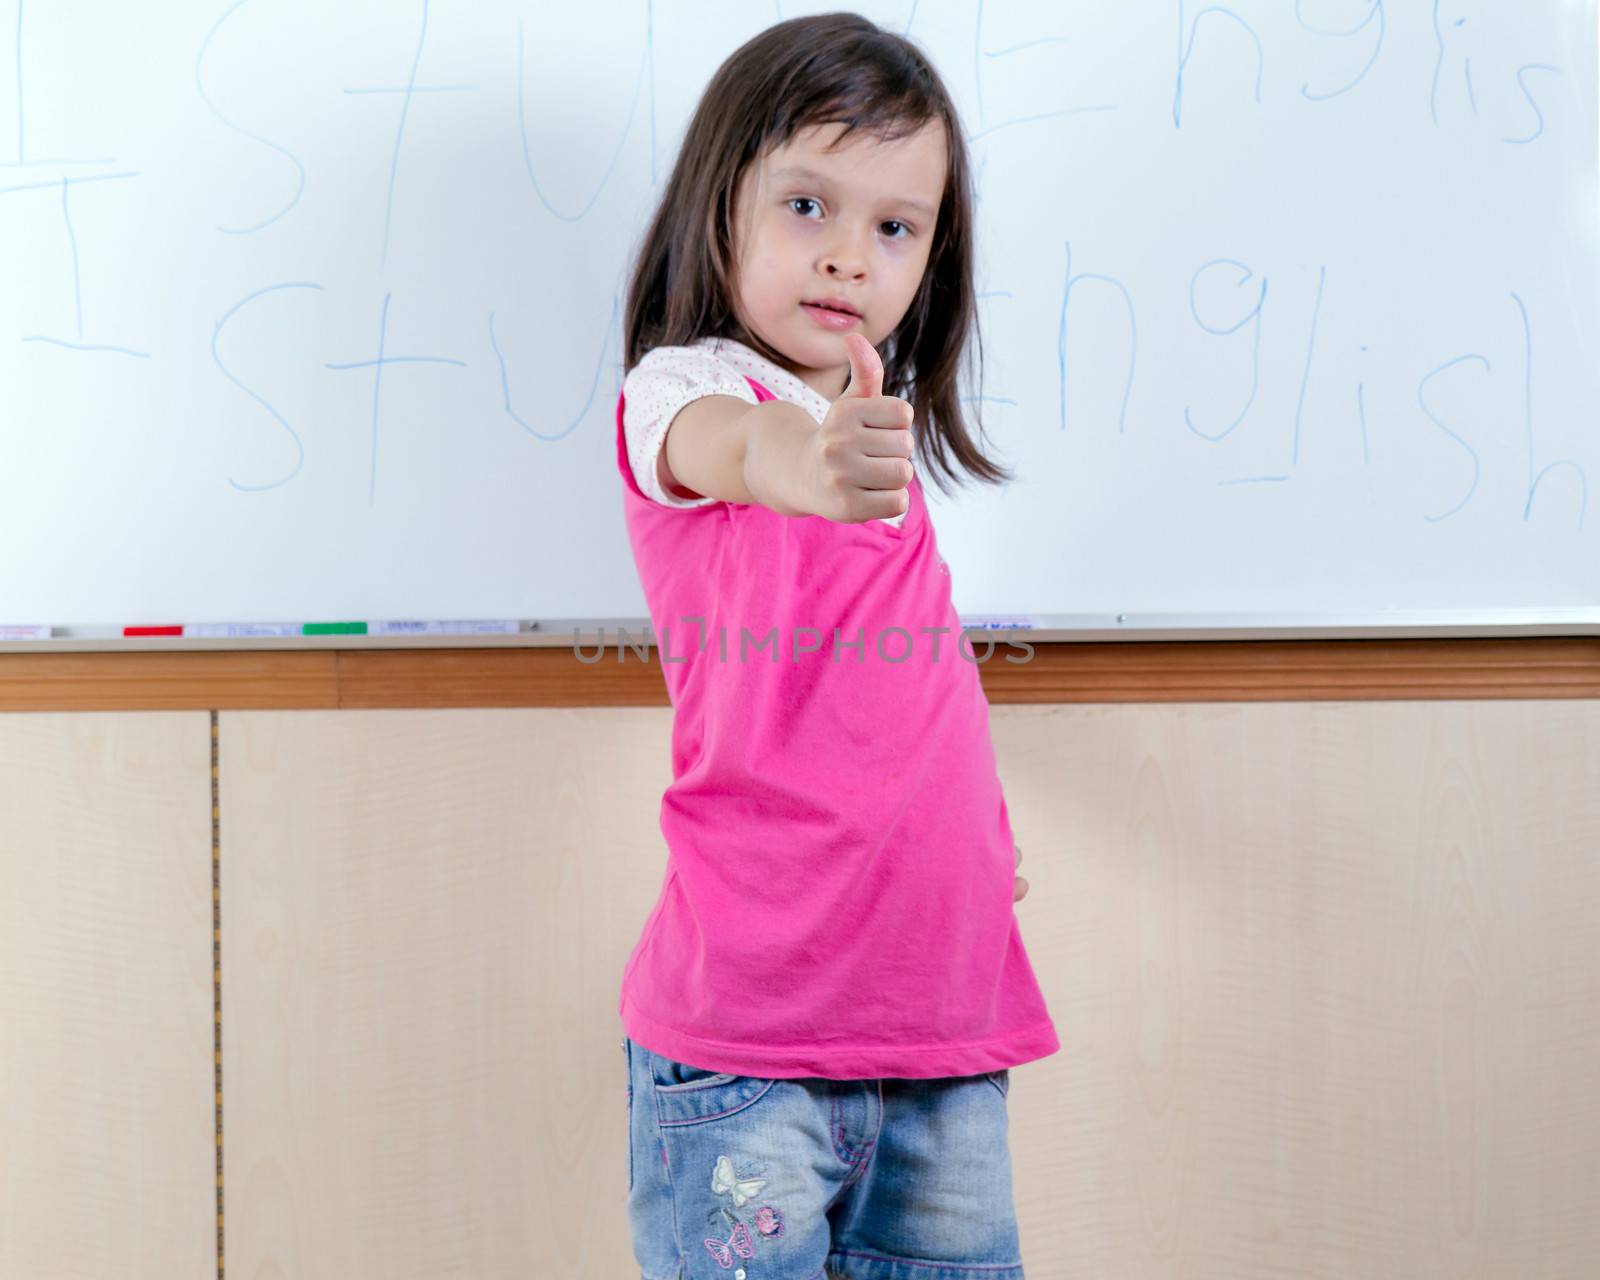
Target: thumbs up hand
[(857, 466), (866, 367)]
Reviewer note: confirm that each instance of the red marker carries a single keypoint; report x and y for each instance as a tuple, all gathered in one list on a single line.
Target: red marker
[(152, 631)]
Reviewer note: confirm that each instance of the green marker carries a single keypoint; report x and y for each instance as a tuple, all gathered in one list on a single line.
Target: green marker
[(334, 629)]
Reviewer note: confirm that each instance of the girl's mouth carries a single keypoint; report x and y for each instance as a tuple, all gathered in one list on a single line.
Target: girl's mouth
[(837, 321)]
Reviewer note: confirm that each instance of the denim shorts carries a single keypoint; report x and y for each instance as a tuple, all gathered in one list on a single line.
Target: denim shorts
[(744, 1178)]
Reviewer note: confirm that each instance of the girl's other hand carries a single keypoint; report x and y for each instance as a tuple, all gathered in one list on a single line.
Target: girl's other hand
[(1019, 886), (857, 465)]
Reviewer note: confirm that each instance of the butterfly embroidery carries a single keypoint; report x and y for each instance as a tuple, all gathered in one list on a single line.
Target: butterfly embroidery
[(724, 1179), (738, 1242), (769, 1222)]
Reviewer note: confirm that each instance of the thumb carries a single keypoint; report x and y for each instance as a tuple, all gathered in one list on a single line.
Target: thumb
[(866, 368)]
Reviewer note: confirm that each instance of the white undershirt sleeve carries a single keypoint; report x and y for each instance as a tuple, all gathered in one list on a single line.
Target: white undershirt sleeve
[(656, 388)]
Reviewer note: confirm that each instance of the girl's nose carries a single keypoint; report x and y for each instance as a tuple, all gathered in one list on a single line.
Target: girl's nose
[(845, 264), (845, 258)]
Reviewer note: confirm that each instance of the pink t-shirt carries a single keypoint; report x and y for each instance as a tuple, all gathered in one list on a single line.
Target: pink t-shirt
[(837, 899)]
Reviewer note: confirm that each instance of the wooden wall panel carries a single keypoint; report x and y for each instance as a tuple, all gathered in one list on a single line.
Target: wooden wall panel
[(108, 1153), (1324, 974), (426, 920), (1327, 984)]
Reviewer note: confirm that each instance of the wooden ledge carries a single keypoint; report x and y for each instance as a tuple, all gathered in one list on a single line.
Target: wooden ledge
[(1198, 671)]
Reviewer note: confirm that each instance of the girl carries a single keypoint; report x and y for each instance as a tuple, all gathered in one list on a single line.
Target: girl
[(823, 1006)]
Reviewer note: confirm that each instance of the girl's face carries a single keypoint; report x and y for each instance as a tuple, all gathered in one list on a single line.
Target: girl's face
[(853, 227)]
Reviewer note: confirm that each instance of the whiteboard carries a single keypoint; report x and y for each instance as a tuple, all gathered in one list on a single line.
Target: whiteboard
[(1289, 310)]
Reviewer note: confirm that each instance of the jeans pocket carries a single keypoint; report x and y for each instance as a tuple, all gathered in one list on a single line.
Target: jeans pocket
[(687, 1095), (1001, 1080), (671, 1077)]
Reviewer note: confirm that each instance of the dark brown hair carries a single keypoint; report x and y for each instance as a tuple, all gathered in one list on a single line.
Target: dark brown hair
[(823, 69)]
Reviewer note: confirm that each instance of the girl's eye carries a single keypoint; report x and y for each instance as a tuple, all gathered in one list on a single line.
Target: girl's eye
[(904, 232)]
